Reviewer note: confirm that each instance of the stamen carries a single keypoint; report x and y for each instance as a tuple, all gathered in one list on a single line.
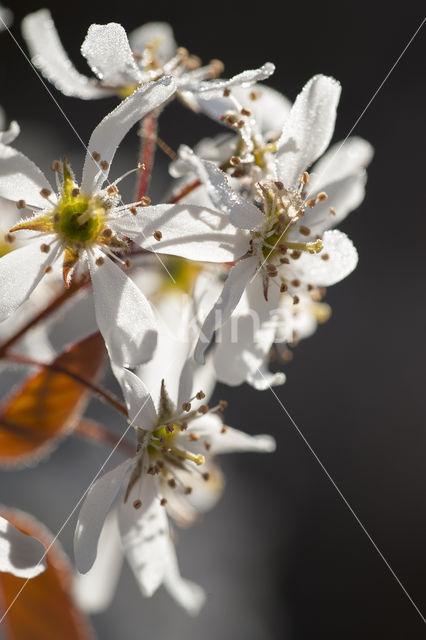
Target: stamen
[(157, 235), (137, 504), (21, 204), (56, 166), (96, 156)]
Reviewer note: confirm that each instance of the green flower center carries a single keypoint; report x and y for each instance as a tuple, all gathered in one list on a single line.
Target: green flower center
[(79, 221)]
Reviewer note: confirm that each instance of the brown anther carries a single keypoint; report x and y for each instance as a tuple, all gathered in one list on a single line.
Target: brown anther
[(21, 204), (96, 156), (245, 112), (305, 177), (332, 211), (152, 470), (282, 248), (163, 502), (279, 185), (322, 196), (45, 193), (310, 287), (194, 437), (187, 491), (9, 237), (284, 261), (296, 254), (56, 165), (107, 233), (230, 119), (104, 165), (166, 450), (206, 476), (272, 270), (234, 161), (100, 261), (226, 92), (47, 269), (216, 67), (325, 256), (182, 52), (133, 210), (157, 235), (240, 124), (295, 282), (296, 299), (169, 428), (186, 406), (183, 426), (311, 203), (207, 446), (305, 231), (171, 483), (44, 248), (137, 504), (224, 429), (56, 217), (200, 395), (193, 62), (75, 192), (223, 404), (254, 95), (145, 201), (138, 448), (112, 190), (203, 409), (283, 288), (128, 263)]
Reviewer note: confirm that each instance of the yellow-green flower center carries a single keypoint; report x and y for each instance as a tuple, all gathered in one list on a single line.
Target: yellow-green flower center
[(79, 220)]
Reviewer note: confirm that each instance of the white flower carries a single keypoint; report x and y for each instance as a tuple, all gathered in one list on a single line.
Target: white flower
[(20, 554), (123, 63), (290, 247), (6, 17), (173, 470)]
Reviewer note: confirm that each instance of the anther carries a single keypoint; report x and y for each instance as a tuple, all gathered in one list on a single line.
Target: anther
[(296, 254), (56, 217), (207, 446), (322, 196), (163, 502), (96, 156), (157, 235), (187, 491), (234, 161), (332, 211), (311, 203), (55, 166), (183, 426), (226, 92), (133, 210), (194, 437), (186, 406), (296, 299), (282, 248), (325, 256), (112, 190), (169, 428), (254, 95), (284, 261), (223, 404), (230, 119), (224, 429), (107, 233), (9, 237), (137, 504), (75, 192), (171, 483), (305, 231), (245, 112), (21, 204), (45, 193), (272, 270), (203, 409), (240, 124), (200, 395), (44, 248), (279, 185), (206, 476), (145, 201), (104, 165), (283, 288), (100, 261), (295, 282), (305, 177), (128, 263), (216, 67), (47, 269)]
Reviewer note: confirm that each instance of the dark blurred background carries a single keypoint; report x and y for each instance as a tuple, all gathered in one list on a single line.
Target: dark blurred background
[(281, 556)]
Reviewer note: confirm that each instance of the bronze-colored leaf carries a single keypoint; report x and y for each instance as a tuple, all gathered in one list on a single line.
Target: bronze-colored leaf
[(41, 608), (49, 403)]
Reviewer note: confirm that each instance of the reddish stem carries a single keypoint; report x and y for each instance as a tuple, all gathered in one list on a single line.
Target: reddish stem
[(184, 191), (98, 433), (99, 391), (148, 134)]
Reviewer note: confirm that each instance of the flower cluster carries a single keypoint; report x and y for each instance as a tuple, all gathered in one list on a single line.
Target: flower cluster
[(228, 271)]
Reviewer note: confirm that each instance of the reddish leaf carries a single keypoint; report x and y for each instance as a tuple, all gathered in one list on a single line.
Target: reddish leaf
[(41, 608), (48, 404)]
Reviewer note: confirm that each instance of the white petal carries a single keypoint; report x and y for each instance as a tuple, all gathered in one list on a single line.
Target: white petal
[(157, 34), (189, 595), (141, 408), (49, 56), (341, 160), (6, 16), (95, 589), (123, 314), (8, 136), (111, 130), (235, 284), (209, 427), (244, 79), (308, 129), (242, 214), (21, 179), (107, 51), (20, 554), (145, 535), (20, 272), (342, 260), (262, 379), (95, 508), (188, 231)]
